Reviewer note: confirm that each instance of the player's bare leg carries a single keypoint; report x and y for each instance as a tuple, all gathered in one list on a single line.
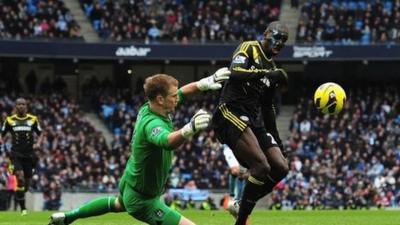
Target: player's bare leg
[(20, 192), (279, 168), (248, 152)]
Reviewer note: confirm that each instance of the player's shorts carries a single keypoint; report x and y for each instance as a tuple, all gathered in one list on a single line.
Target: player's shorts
[(229, 123), (147, 209), (26, 164)]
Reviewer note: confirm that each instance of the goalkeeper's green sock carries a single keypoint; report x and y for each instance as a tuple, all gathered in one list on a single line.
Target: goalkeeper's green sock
[(95, 207)]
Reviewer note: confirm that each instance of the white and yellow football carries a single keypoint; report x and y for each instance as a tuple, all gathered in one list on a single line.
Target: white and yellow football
[(329, 98)]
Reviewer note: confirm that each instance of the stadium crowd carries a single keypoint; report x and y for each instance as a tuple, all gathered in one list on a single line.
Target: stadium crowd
[(351, 160), (22, 19), (349, 22), (180, 21)]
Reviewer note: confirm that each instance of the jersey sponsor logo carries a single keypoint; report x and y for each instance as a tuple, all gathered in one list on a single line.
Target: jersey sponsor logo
[(155, 131), (22, 128), (265, 81), (239, 59)]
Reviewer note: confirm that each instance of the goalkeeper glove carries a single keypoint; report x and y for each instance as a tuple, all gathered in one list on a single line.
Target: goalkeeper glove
[(199, 121), (213, 82)]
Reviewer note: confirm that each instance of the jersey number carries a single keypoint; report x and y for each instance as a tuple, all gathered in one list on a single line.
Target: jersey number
[(272, 139)]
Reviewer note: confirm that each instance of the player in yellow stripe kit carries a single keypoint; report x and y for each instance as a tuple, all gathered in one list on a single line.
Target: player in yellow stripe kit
[(22, 127), (245, 119)]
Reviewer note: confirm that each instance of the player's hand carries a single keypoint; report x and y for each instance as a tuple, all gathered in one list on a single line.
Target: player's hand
[(214, 81), (35, 146), (278, 75), (283, 150), (199, 121)]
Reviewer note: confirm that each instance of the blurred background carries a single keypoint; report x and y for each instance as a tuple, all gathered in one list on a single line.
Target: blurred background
[(82, 63)]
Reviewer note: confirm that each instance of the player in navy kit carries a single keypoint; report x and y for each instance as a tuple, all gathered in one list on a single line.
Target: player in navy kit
[(22, 127), (245, 118)]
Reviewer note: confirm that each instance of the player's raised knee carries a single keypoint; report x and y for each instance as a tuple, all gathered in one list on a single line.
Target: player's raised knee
[(283, 168), (261, 171)]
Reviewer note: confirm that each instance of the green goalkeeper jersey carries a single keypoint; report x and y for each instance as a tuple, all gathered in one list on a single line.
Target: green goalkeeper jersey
[(150, 162)]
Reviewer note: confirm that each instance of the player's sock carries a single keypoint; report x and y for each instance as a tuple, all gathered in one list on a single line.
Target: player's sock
[(267, 188), (96, 207), (250, 196), (270, 184), (20, 197), (232, 184)]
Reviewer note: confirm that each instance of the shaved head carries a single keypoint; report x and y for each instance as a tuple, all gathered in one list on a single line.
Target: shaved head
[(21, 107)]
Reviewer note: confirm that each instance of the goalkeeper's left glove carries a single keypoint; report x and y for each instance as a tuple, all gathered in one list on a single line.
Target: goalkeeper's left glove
[(199, 121), (214, 81)]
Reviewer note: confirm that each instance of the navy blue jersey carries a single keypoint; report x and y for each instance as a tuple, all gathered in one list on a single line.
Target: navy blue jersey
[(21, 129)]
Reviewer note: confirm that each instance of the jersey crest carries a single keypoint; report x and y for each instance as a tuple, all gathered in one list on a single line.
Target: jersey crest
[(155, 131), (239, 59)]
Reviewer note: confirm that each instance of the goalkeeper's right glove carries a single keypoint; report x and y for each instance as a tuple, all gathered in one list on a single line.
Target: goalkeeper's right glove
[(199, 121), (214, 81)]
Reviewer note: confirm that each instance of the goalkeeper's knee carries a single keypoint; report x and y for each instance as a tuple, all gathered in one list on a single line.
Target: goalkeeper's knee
[(115, 204)]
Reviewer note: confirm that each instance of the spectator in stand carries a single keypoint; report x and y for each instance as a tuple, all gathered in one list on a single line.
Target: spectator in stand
[(52, 196), (181, 22), (37, 19), (354, 22)]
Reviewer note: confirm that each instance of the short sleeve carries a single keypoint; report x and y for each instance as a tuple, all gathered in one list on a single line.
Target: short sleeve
[(36, 126)]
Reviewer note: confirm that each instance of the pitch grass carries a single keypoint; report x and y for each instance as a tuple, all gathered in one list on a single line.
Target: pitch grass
[(259, 217)]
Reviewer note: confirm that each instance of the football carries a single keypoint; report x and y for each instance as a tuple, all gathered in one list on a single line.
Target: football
[(330, 98)]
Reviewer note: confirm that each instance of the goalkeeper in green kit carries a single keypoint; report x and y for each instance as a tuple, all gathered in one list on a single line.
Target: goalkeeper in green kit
[(153, 142)]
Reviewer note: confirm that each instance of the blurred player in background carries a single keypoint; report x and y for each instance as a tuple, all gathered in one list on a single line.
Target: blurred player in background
[(22, 127), (245, 118), (153, 142), (237, 176)]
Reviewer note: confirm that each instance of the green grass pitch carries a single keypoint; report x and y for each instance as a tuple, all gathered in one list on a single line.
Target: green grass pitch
[(259, 217)]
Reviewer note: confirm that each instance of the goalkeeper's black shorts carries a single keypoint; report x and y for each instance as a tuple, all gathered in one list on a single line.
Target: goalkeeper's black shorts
[(229, 123)]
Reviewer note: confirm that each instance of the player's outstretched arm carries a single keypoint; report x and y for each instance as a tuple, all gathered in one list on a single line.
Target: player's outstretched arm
[(243, 74), (212, 82), (199, 121)]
